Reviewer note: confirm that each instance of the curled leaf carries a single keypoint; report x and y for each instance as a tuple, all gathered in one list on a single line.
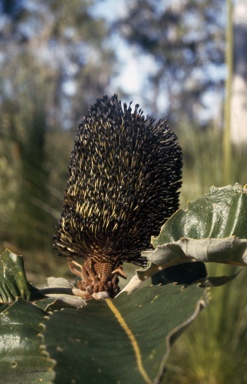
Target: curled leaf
[(220, 213), (13, 281), (212, 229), (230, 250)]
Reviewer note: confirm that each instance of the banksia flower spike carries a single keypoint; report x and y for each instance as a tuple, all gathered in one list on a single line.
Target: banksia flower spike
[(124, 176)]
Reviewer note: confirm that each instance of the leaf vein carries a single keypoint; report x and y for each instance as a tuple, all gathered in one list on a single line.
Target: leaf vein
[(132, 339)]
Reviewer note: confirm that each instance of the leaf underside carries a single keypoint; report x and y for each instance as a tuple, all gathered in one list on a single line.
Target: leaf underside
[(212, 229)]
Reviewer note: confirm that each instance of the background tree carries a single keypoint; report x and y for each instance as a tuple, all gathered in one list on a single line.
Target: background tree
[(54, 63), (186, 41), (239, 92)]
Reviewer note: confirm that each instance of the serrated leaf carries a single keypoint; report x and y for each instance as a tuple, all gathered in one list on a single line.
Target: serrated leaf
[(229, 250), (129, 326), (21, 359), (217, 281), (212, 229), (13, 281), (51, 304), (125, 340), (222, 212)]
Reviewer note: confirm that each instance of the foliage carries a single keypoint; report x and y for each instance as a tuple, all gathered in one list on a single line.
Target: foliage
[(77, 344), (213, 350), (186, 41), (220, 213), (204, 162), (22, 360), (212, 229), (139, 327), (63, 43)]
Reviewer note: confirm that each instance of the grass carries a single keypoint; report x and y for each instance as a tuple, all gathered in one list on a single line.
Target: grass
[(214, 349), (204, 163)]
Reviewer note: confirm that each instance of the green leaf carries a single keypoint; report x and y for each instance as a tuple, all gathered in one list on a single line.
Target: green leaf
[(125, 340), (13, 281), (21, 358), (105, 341), (212, 229), (222, 212)]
